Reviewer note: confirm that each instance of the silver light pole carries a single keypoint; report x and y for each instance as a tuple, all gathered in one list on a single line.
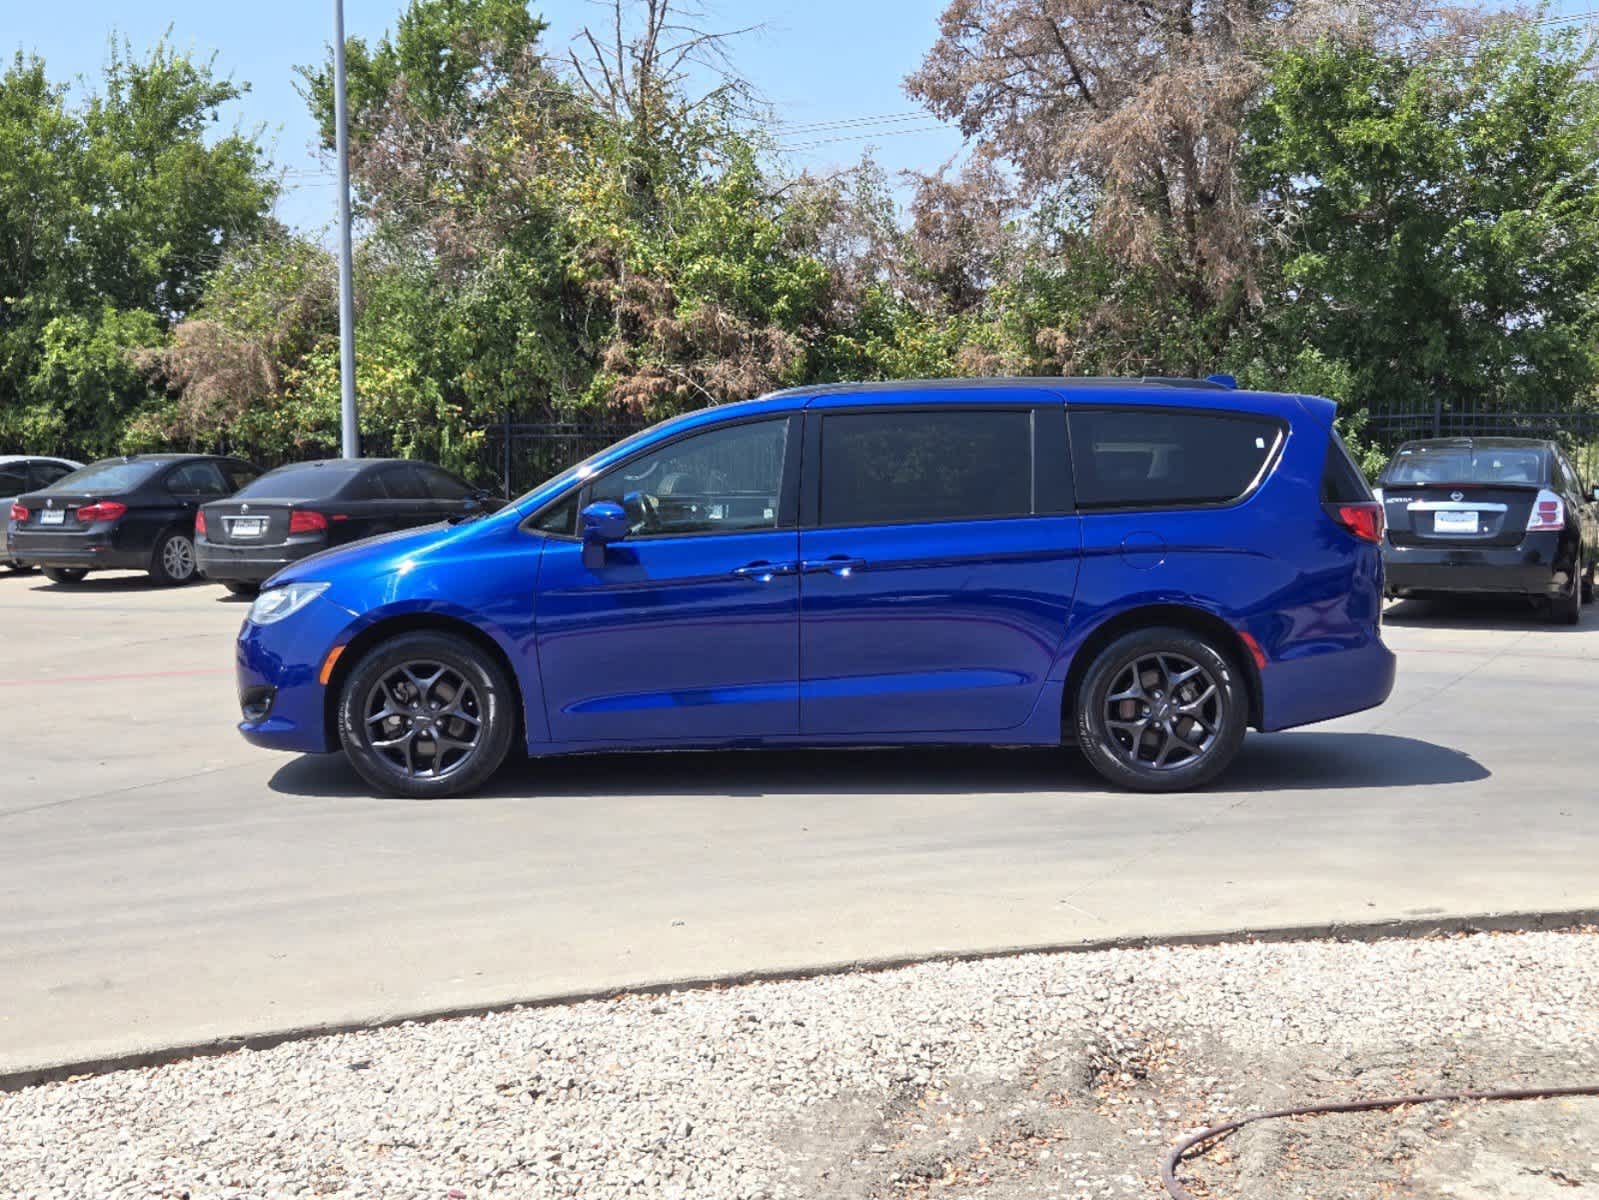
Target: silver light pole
[(350, 438)]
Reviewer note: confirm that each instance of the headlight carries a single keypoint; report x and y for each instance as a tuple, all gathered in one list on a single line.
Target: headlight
[(272, 606)]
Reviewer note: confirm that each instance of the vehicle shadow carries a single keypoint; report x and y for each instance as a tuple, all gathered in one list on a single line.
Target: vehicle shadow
[(109, 583), (1278, 762), (1510, 613)]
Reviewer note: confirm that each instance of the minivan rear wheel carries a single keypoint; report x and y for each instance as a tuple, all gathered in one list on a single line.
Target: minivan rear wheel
[(426, 715), (1161, 710)]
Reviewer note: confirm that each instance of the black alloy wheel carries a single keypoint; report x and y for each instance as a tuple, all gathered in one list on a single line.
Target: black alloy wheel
[(427, 715), (1161, 710)]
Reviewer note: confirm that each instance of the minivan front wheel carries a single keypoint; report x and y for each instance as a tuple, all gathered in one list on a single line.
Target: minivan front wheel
[(426, 715), (1161, 710)]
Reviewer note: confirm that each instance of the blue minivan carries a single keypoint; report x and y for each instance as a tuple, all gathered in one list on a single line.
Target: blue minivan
[(1141, 567)]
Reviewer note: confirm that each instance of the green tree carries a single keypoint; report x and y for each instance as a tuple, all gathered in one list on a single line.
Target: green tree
[(112, 214), (1440, 219)]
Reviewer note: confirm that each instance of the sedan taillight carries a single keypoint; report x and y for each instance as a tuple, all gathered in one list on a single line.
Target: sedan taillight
[(18, 513), (1548, 513), (306, 522), (103, 510), (199, 523), (1366, 521)]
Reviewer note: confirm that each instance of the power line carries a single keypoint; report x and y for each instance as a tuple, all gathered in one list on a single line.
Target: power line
[(861, 137)]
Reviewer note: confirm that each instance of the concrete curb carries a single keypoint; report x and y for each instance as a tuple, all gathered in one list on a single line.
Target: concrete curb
[(1355, 931)]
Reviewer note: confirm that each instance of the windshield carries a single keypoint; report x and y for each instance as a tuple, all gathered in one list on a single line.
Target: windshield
[(303, 481), (108, 475), (1458, 464)]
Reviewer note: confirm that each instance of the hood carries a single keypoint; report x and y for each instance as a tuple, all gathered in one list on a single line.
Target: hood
[(373, 556)]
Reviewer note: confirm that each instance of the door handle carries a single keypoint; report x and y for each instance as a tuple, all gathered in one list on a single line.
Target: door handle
[(764, 572), (838, 564)]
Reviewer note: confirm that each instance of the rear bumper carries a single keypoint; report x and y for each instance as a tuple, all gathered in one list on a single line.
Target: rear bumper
[(1324, 685), (1528, 569), (250, 564), (92, 549)]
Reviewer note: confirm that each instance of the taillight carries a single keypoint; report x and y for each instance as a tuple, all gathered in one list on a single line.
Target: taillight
[(18, 513), (199, 523), (103, 510), (306, 522), (1548, 513), (1365, 520)]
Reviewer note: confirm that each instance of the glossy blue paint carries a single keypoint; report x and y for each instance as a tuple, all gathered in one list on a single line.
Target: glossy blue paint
[(936, 632)]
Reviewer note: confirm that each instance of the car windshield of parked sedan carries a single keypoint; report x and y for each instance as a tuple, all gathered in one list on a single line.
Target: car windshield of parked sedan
[(302, 481), (1455, 464), (108, 475)]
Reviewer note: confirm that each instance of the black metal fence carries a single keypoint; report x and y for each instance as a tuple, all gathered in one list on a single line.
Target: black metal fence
[(1577, 430), (520, 455)]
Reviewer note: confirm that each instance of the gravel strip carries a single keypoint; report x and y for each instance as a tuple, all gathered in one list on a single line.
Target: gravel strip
[(1042, 1075)]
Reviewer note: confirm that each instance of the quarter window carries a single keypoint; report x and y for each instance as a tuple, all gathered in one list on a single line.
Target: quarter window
[(944, 465), (1144, 458), (722, 480)]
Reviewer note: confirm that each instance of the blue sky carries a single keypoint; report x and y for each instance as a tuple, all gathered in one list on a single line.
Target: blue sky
[(816, 61)]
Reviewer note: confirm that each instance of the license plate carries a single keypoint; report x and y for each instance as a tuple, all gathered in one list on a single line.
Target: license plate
[(52, 516), (249, 527), (1454, 522)]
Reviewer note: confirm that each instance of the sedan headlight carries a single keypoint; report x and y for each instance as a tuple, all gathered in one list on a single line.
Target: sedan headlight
[(272, 606)]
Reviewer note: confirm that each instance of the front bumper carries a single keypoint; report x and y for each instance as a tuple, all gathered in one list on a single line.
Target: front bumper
[(280, 665), (92, 549), (250, 564), (1529, 569)]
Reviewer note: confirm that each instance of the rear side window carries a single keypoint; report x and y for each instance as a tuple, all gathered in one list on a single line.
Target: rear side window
[(441, 484), (944, 465), (197, 479), (400, 482), (42, 475), (1342, 482), (1153, 458)]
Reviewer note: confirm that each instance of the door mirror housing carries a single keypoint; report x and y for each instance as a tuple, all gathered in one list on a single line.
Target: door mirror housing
[(602, 523)]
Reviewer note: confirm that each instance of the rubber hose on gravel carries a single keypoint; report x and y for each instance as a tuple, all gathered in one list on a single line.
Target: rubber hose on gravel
[(1168, 1168)]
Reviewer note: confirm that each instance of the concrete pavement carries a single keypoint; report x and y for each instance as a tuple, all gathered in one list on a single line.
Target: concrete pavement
[(163, 883)]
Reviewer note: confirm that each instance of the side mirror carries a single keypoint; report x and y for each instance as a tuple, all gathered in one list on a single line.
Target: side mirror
[(602, 522)]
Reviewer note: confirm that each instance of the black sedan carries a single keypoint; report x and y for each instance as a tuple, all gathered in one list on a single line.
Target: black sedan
[(1490, 515), (134, 513), (297, 510)]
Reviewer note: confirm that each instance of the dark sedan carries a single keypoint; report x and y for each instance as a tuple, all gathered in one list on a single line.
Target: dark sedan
[(300, 509), (1490, 515), (133, 513)]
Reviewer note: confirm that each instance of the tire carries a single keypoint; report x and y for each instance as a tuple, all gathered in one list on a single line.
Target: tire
[(240, 587), (16, 567), (443, 672), (1567, 609), (173, 563), (1588, 585), (64, 576), (1127, 748)]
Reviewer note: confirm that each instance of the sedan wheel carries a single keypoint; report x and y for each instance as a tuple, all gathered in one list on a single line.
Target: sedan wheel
[(427, 715), (173, 561), (1161, 710)]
